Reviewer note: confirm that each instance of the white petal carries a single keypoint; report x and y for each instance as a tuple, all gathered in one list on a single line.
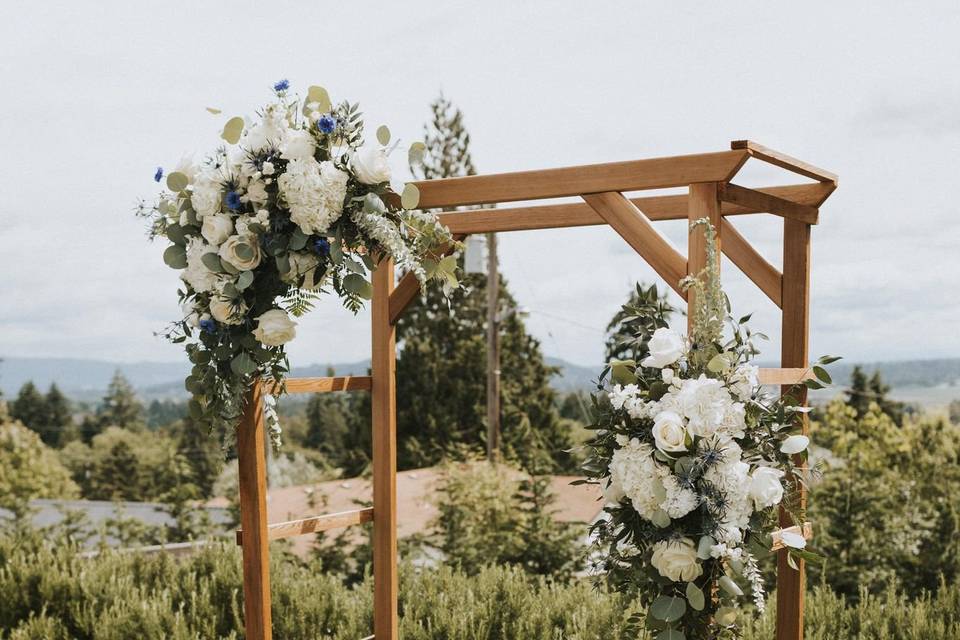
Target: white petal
[(794, 540)]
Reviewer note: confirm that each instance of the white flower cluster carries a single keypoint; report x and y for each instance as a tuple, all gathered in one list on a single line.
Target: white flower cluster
[(694, 460)]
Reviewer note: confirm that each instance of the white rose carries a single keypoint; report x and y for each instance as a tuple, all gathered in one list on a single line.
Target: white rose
[(676, 560), (765, 487), (268, 168), (298, 145), (205, 197), (243, 252), (275, 328), (669, 433), (666, 346), (216, 228), (370, 165), (794, 444)]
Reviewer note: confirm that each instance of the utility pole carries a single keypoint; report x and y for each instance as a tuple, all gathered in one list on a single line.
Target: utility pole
[(493, 351)]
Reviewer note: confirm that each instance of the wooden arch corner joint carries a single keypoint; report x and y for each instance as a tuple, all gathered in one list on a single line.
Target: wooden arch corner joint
[(634, 227)]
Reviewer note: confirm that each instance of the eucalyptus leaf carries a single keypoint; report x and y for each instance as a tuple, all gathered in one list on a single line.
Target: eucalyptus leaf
[(233, 130), (175, 256), (177, 181), (243, 364), (695, 597), (661, 519), (383, 135), (717, 363), (727, 584), (298, 239), (416, 152), (622, 371), (359, 285), (212, 261), (703, 548), (244, 280), (319, 96), (354, 266), (176, 234), (214, 110), (668, 608), (410, 197)]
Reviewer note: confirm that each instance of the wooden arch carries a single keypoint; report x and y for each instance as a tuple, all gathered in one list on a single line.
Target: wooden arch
[(711, 194)]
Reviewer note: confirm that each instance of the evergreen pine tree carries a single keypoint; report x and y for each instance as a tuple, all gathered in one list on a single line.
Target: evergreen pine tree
[(202, 454), (441, 376), (118, 475), (327, 424), (58, 417), (858, 395), (880, 390), (30, 407), (120, 406)]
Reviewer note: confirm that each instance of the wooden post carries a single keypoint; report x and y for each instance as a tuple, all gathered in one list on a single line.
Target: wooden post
[(252, 465), (493, 351), (384, 403), (794, 352), (703, 202)]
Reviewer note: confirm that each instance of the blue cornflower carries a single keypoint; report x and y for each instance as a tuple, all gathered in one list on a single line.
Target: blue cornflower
[(322, 246), (208, 325), (158, 175), (327, 123), (283, 85), (233, 200)]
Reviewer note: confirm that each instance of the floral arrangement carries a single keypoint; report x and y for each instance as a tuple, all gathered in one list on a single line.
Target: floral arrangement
[(694, 461), (294, 204)]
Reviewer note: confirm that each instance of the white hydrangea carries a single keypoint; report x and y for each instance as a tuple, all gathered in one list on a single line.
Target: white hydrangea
[(197, 275), (206, 196), (707, 406), (731, 476), (634, 470), (628, 397), (679, 501), (314, 192)]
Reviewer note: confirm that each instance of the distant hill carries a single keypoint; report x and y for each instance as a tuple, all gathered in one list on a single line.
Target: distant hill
[(86, 379)]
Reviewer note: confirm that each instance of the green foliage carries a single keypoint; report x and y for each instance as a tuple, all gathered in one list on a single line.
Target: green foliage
[(120, 406), (628, 331), (48, 415), (49, 593), (495, 515), (29, 470), (863, 392), (888, 506)]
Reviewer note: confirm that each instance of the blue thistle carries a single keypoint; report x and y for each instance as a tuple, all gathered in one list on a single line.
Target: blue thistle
[(208, 325), (233, 200), (158, 175), (322, 246), (281, 86), (327, 123)]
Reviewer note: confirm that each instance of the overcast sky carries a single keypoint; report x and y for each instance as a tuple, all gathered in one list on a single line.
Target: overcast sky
[(95, 97)]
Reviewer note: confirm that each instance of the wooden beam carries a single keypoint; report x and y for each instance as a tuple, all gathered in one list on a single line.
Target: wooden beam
[(794, 348), (755, 266), (768, 203), (806, 531), (314, 524), (636, 229), (703, 202), (252, 466), (321, 385), (785, 377), (408, 287), (635, 175), (784, 161), (384, 407), (578, 214)]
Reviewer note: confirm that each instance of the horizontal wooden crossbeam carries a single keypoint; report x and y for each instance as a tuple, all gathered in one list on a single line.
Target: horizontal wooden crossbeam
[(769, 203), (578, 214), (785, 376), (806, 531), (627, 220), (321, 385), (741, 253), (314, 524), (635, 175), (784, 161)]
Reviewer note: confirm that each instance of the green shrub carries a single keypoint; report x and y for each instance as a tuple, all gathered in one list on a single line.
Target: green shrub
[(50, 593)]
